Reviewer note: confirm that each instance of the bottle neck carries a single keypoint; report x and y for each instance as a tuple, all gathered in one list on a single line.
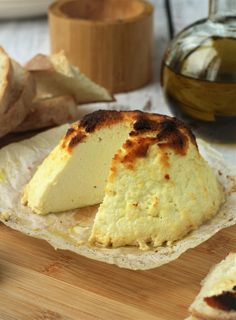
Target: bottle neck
[(221, 9)]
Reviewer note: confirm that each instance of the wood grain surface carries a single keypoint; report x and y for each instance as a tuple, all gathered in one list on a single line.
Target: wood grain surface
[(39, 283)]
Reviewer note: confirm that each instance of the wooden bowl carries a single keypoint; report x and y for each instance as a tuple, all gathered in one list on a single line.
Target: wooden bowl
[(110, 41)]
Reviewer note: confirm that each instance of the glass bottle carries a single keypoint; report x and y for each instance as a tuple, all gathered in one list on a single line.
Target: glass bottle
[(199, 73)]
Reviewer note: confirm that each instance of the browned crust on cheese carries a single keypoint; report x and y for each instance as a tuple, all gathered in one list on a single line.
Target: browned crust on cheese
[(173, 132), (135, 149), (69, 132), (72, 138), (89, 124), (225, 301), (166, 132), (100, 118), (75, 140)]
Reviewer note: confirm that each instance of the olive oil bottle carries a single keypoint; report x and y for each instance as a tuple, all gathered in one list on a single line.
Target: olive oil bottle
[(199, 74)]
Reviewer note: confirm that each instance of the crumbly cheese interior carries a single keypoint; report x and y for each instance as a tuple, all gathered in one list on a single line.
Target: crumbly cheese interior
[(69, 180), (157, 201)]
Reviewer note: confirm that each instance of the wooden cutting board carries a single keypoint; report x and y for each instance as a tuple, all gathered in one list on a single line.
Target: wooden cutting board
[(39, 283)]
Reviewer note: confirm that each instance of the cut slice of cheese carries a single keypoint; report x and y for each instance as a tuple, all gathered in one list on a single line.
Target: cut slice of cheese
[(157, 186), (74, 174)]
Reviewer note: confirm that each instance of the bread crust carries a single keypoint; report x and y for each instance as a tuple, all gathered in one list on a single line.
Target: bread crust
[(64, 80), (49, 112), (40, 62), (6, 86), (20, 107)]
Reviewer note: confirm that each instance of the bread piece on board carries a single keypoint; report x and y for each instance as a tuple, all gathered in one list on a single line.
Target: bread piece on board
[(22, 94), (217, 297), (6, 79), (49, 112), (56, 76)]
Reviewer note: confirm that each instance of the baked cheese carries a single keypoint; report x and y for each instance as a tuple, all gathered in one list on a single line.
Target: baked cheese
[(145, 169)]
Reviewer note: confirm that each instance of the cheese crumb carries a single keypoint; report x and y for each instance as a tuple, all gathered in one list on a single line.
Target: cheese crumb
[(2, 175), (5, 215)]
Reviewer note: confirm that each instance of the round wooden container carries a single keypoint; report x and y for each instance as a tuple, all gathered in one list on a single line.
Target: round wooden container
[(110, 41)]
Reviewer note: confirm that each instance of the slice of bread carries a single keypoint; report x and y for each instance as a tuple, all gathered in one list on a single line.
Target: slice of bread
[(56, 76), (22, 94), (217, 298), (49, 112), (6, 79)]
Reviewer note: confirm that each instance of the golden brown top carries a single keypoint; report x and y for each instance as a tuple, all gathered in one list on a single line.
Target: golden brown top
[(100, 118), (146, 129)]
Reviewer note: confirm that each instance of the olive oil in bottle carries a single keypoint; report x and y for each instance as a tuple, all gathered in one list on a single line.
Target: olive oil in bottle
[(199, 78)]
